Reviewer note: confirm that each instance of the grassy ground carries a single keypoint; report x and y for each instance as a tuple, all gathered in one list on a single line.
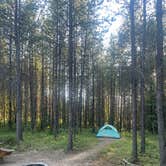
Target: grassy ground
[(114, 153), (46, 141), (121, 149)]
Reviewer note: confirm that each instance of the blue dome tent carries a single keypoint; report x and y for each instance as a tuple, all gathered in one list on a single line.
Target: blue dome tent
[(108, 131)]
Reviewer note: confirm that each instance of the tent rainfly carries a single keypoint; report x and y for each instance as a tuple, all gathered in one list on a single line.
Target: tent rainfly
[(108, 131)]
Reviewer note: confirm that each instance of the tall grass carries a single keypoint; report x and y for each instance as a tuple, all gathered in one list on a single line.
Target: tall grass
[(44, 140), (121, 149)]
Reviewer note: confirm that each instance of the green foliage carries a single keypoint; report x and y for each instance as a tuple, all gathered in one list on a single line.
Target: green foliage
[(84, 140), (151, 116), (152, 156), (7, 138), (121, 149), (46, 141)]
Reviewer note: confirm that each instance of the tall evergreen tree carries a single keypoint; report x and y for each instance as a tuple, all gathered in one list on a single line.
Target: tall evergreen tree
[(160, 83), (143, 80), (18, 72), (70, 65), (134, 81)]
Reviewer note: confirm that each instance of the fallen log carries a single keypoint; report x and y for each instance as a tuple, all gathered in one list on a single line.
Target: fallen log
[(5, 152), (127, 163)]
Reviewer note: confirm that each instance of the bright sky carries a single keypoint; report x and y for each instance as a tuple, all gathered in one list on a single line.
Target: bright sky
[(110, 7)]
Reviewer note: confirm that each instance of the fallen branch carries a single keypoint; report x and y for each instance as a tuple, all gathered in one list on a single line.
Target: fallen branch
[(5, 152), (127, 163)]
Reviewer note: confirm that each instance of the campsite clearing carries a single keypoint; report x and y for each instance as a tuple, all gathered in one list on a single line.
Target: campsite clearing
[(58, 157), (88, 149)]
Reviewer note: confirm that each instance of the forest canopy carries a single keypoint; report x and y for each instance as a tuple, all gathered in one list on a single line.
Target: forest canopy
[(75, 64)]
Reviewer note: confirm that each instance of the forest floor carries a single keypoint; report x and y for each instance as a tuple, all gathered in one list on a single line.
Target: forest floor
[(88, 150), (59, 157)]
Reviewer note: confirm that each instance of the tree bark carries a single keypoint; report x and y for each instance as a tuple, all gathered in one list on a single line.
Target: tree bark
[(42, 93), (112, 97), (19, 135), (10, 78), (70, 65), (55, 72), (143, 81), (160, 83), (134, 81), (93, 95)]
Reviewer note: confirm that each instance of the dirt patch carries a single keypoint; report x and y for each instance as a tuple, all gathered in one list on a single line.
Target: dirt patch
[(58, 157)]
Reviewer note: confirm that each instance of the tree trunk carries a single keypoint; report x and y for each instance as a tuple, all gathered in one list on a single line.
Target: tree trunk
[(18, 73), (55, 72), (75, 115), (160, 82), (10, 79), (42, 93), (63, 95), (102, 99), (112, 98), (134, 82), (26, 101), (93, 95), (142, 80), (81, 86), (70, 65), (32, 87)]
